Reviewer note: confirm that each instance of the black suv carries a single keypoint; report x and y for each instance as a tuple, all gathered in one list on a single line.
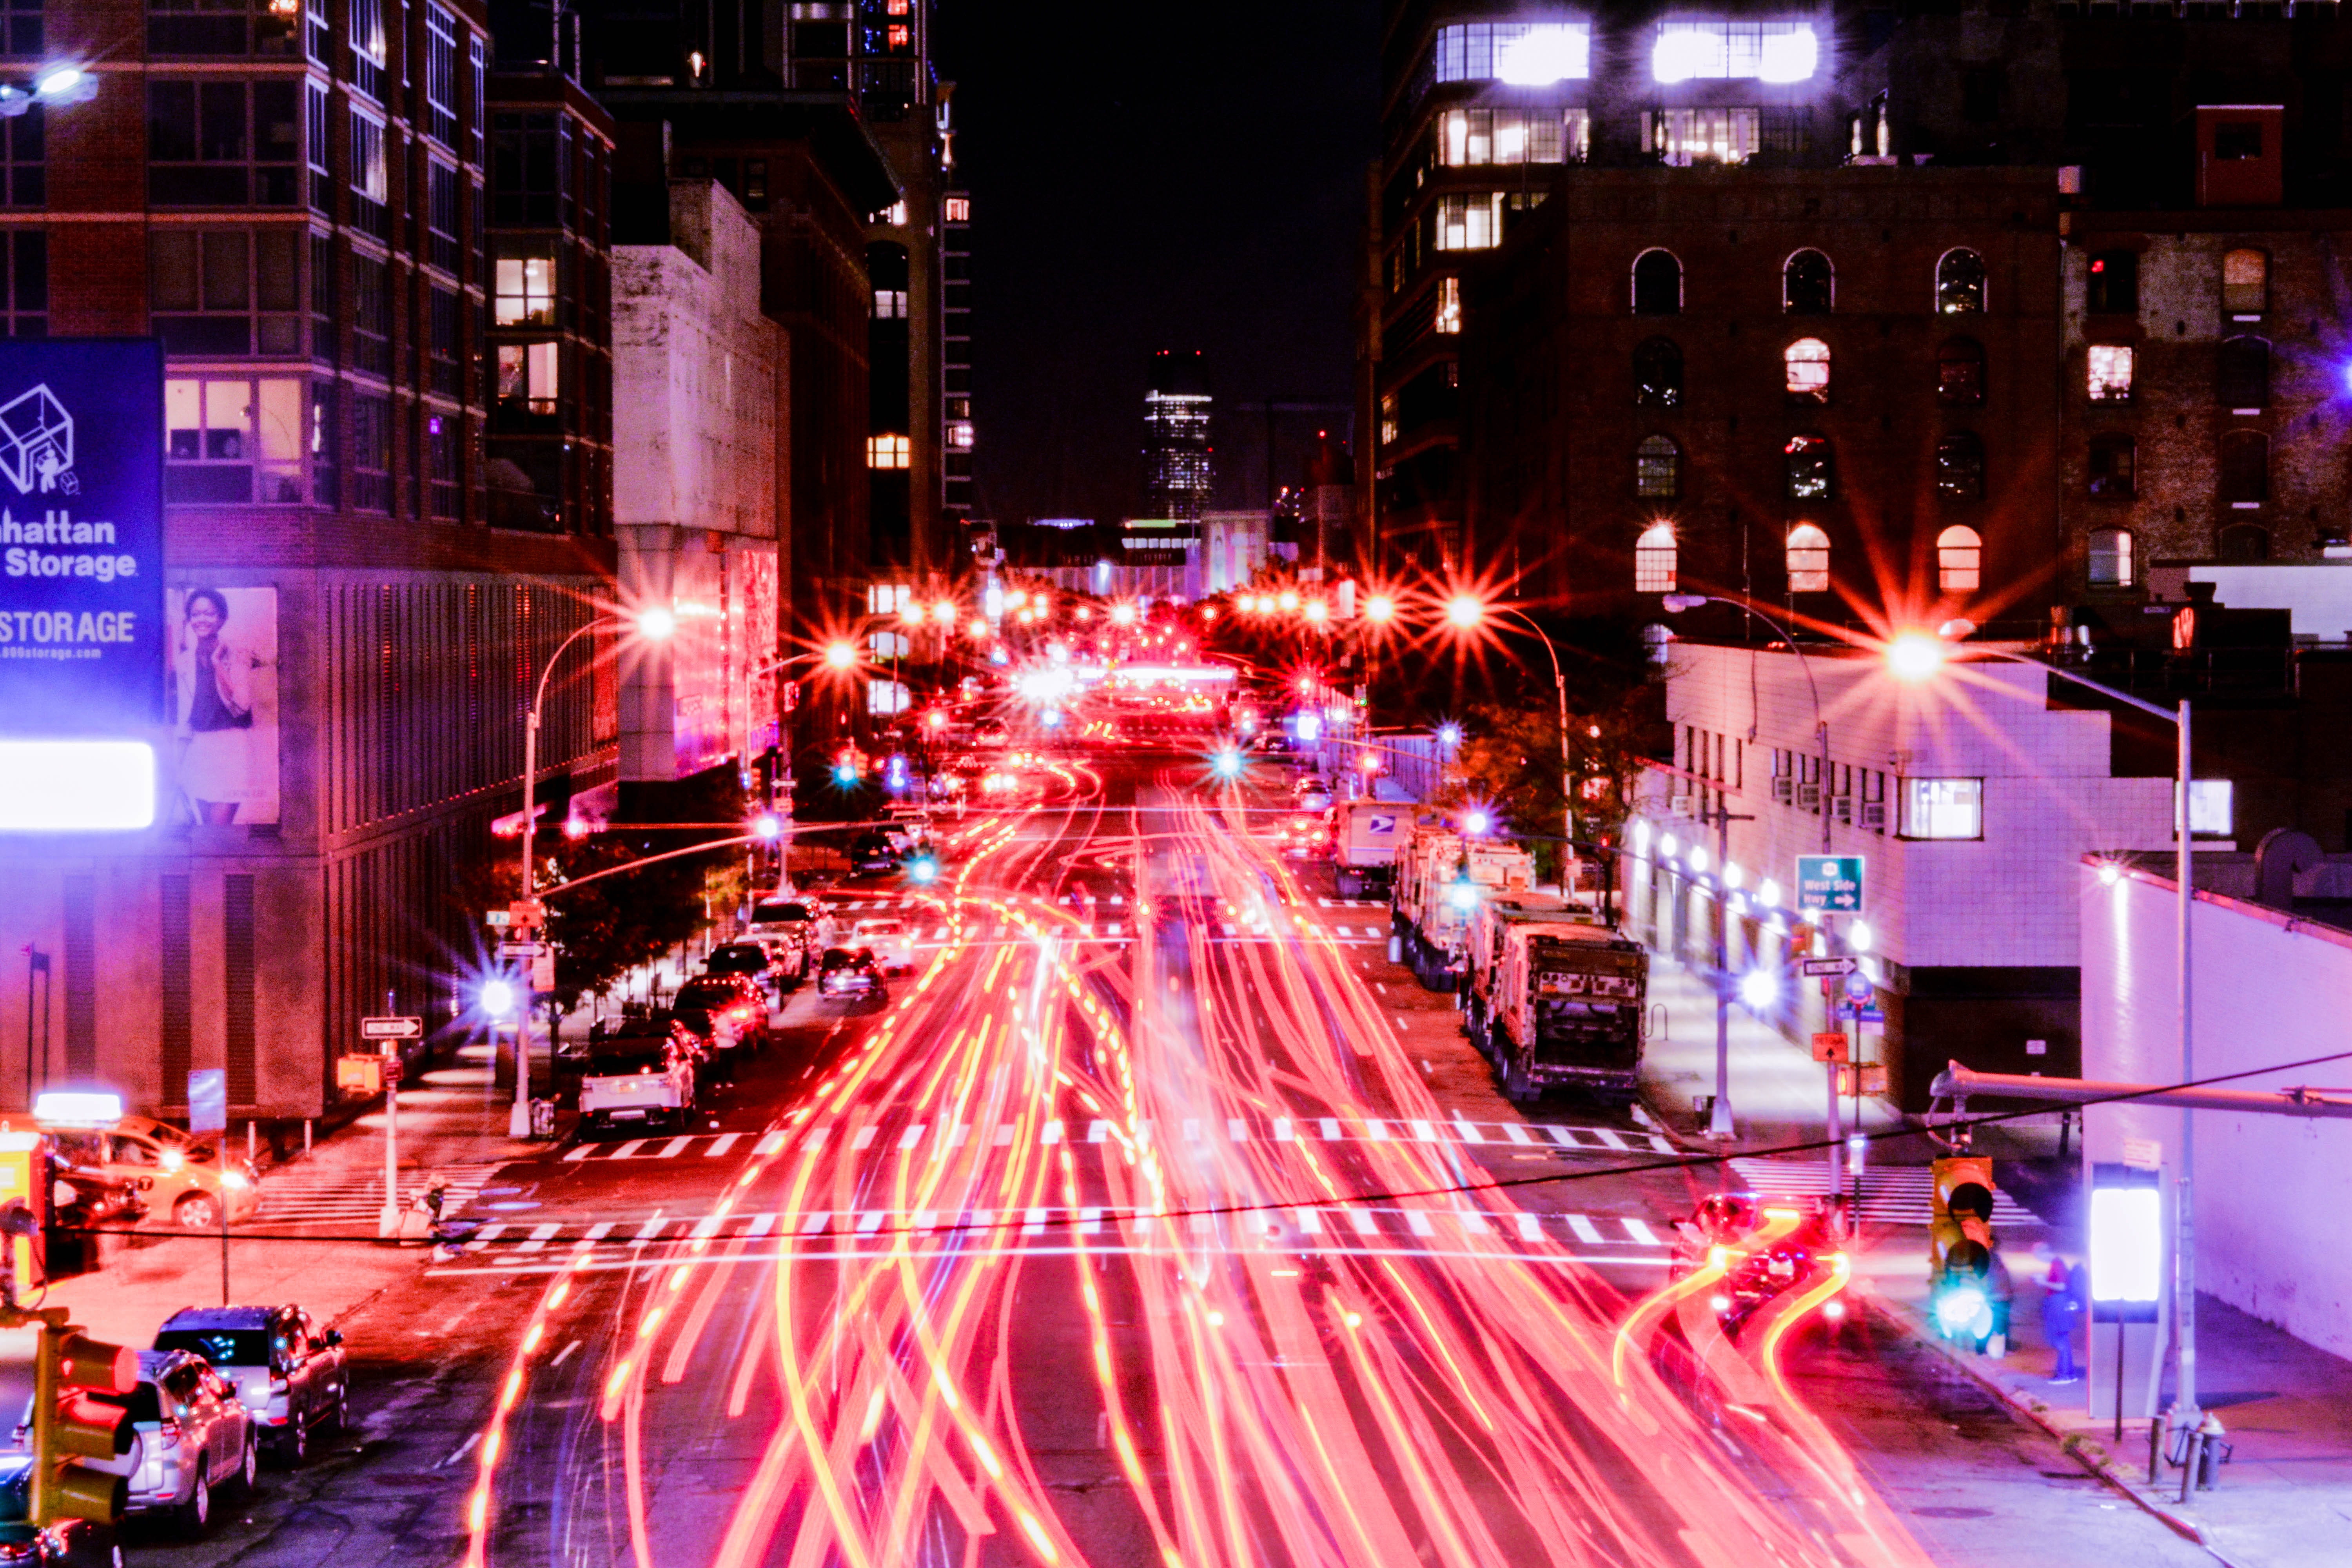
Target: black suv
[(286, 1371)]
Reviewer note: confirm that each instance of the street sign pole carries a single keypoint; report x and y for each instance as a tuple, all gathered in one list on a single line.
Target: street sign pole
[(387, 1219)]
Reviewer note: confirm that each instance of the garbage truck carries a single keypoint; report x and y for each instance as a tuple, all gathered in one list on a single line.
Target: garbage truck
[(1555, 997)]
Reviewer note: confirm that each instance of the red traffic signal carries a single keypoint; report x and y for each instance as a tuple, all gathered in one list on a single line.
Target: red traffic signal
[(71, 1423)]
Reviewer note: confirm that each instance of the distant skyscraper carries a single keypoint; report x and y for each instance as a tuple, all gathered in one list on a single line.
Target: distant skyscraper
[(1176, 437)]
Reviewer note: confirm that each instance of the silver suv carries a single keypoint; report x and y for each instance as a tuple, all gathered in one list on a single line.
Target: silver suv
[(192, 1438)]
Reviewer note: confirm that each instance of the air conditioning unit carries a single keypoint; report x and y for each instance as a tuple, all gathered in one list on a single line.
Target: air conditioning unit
[(1680, 806), (1873, 814), (1808, 796), (1842, 806), (1784, 789)]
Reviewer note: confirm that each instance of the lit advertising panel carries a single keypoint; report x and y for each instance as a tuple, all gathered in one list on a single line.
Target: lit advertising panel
[(82, 582)]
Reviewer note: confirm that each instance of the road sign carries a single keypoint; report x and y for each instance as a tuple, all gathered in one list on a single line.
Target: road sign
[(521, 949), (542, 969), (1874, 1080), (1828, 966), (1830, 882), (1858, 988), (208, 1100), (1829, 1046), (392, 1029), (1861, 1014)]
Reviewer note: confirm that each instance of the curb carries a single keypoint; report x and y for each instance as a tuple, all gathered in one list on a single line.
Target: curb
[(2069, 1443)]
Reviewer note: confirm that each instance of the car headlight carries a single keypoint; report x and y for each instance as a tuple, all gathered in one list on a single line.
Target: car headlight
[(235, 1181)]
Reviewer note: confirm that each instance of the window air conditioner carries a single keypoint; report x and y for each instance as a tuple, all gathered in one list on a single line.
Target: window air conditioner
[(1873, 814), (1784, 789), (1842, 806), (1680, 804), (1808, 796)]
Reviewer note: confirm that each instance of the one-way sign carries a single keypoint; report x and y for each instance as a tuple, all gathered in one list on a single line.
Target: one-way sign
[(392, 1029), (1828, 966)]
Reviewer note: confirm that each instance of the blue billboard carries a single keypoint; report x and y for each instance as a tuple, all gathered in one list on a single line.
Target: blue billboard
[(81, 581)]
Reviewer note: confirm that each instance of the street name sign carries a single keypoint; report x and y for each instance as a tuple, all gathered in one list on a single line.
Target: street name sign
[(1831, 882)]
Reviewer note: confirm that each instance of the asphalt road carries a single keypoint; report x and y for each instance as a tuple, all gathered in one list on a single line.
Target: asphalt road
[(1157, 1219)]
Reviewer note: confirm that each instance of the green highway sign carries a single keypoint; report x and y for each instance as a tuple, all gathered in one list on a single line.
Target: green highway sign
[(1830, 882)]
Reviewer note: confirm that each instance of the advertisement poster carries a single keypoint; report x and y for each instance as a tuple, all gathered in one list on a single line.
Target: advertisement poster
[(81, 537), (222, 683)]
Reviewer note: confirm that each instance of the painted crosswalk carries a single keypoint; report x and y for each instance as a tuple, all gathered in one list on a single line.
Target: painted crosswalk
[(308, 1195), (1552, 1137), (1337, 1228), (1891, 1195)]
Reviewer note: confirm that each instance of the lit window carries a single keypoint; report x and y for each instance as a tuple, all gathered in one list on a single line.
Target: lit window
[(892, 217), (1807, 465), (960, 434), (1473, 138), (2114, 460), (369, 176), (1654, 559), (1807, 284), (1658, 374), (2110, 374), (888, 452), (1959, 466), (529, 378), (526, 291), (1734, 51), (1658, 284), (959, 209), (1682, 137), (1959, 560), (888, 599), (2113, 284), (1470, 222), (1808, 364), (1388, 419), (1658, 469), (1943, 808), (234, 442), (1959, 373), (889, 304), (2212, 808), (1524, 54), (899, 36), (886, 697), (1808, 560), (1449, 305), (2111, 558), (1960, 283), (2245, 283)]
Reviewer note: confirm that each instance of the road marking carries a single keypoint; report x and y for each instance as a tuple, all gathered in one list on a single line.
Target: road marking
[(1282, 1133), (1466, 1133), (1035, 1223), (1584, 1228), (1050, 1133), (761, 1225), (1399, 1023), (596, 1234), (1192, 1129), (628, 1150), (958, 1134), (1090, 1221), (1530, 1228), (1309, 1222), (652, 1227), (1098, 1131), (816, 1222), (1003, 1139), (771, 1141), (1365, 1221), (563, 1355), (865, 1136), (1330, 1127), (674, 1148), (464, 1449), (1639, 1231), (1343, 930), (539, 1237), (1472, 1222), (707, 1227), (927, 1220), (1203, 1224), (1516, 1133), (1235, 1131), (1418, 1222), (484, 1237), (720, 1144), (1376, 1131), (871, 1221), (1560, 1136), (1423, 1132), (581, 1152), (913, 1135), (1609, 1136)]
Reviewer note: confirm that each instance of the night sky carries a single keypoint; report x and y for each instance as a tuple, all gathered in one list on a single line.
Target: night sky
[(1179, 174)]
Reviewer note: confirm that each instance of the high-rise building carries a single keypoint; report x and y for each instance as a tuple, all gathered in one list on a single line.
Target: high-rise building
[(293, 206), (1176, 450)]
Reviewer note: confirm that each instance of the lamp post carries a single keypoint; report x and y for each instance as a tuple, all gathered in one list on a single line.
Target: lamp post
[(1918, 656), (1719, 1122), (656, 625), (1466, 612)]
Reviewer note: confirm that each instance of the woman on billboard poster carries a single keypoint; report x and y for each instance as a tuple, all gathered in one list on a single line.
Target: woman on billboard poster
[(215, 689)]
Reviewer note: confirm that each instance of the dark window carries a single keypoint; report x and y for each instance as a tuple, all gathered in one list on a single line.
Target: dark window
[(1658, 374), (2114, 464), (202, 27), (25, 178), (2245, 468), (1658, 469), (371, 452), (441, 76), (226, 291), (326, 445), (526, 170), (371, 316), (25, 36), (1961, 374), (2235, 141), (1960, 282), (1807, 284), (222, 143), (1980, 93), (2113, 284), (25, 285), (1959, 466), (441, 462), (323, 345), (1658, 284), (2245, 382), (446, 311), (1809, 469), (443, 215), (2245, 542)]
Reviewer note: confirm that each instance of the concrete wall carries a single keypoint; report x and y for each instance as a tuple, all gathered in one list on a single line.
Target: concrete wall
[(2269, 1189)]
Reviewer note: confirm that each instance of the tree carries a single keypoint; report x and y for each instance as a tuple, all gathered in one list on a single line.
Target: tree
[(1510, 758)]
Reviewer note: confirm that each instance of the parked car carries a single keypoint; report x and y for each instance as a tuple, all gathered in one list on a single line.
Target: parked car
[(192, 1438), (727, 1012), (174, 1174), (748, 959), (891, 940), (872, 852), (69, 1544), (288, 1374), (1311, 794), (845, 971), (641, 1080)]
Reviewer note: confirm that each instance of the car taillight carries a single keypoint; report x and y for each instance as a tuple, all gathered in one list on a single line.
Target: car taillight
[(168, 1433)]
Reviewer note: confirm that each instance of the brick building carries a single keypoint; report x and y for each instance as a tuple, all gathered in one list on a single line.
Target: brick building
[(295, 204)]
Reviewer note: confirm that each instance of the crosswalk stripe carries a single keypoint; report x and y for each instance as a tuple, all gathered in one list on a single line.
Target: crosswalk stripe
[(672, 1148), (1282, 1130), (484, 1237), (1472, 1222), (1097, 1130), (1418, 1222), (1639, 1231), (1423, 1132), (1003, 1139), (1365, 1221), (1051, 1133), (912, 1136), (1586, 1231), (581, 1152), (1329, 1127), (629, 1149), (1035, 1223), (720, 1144), (1468, 1133), (771, 1141), (1309, 1222), (1234, 1130), (652, 1227), (761, 1225), (870, 1221), (706, 1227), (1530, 1227), (539, 1237), (865, 1136), (815, 1223)]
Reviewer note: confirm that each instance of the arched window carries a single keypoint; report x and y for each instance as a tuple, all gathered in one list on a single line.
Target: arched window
[(2245, 386), (1807, 284), (2114, 466), (1808, 560), (1808, 364), (1960, 282), (2245, 542), (1658, 374), (1658, 284), (1959, 466), (2245, 284), (2245, 468), (1658, 469), (1654, 559), (1959, 373), (1807, 463), (1959, 559), (2111, 558)]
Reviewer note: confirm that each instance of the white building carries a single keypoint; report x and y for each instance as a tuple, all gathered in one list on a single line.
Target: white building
[(2270, 987), (698, 405), (1970, 800)]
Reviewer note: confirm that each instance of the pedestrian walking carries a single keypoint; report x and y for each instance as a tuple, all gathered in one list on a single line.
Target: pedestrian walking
[(2062, 1309)]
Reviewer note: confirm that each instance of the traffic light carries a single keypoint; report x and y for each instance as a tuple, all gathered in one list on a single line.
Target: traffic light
[(70, 1425)]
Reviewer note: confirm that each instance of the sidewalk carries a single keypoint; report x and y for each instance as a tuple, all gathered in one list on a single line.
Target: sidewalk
[(2285, 1499)]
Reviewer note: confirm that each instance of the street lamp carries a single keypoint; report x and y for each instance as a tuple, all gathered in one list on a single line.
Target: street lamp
[(652, 625), (1915, 657), (1468, 612)]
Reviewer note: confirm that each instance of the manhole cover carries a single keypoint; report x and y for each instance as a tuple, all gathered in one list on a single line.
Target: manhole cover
[(1953, 1513)]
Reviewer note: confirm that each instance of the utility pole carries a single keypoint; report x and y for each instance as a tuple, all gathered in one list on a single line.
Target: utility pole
[(387, 1219), (1718, 1123)]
